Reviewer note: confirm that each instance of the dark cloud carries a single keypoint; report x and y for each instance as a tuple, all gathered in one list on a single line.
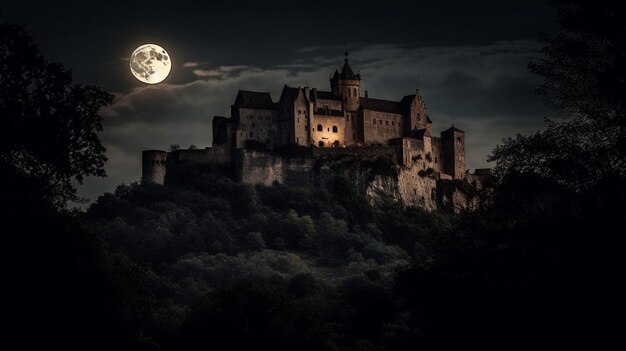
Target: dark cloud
[(485, 90)]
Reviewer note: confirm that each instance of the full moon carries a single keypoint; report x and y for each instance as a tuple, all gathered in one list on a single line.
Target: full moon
[(150, 63)]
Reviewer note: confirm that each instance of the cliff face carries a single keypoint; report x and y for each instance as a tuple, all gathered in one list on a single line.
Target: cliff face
[(377, 177)]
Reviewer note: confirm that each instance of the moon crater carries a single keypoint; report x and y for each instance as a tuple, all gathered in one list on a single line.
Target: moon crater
[(150, 63)]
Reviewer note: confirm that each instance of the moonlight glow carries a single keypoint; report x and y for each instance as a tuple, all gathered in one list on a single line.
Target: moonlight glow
[(150, 63)]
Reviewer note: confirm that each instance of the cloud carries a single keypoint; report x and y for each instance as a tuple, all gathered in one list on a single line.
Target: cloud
[(190, 64), (221, 71), (484, 90)]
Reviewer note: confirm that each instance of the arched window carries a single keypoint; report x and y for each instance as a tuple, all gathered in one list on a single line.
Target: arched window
[(319, 127), (321, 144), (334, 129)]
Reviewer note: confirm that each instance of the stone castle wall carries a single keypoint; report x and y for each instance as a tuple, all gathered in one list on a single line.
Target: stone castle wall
[(217, 154)]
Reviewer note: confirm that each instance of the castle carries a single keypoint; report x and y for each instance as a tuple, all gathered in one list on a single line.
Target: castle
[(341, 121)]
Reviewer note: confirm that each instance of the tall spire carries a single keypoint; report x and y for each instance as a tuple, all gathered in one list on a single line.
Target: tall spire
[(346, 70)]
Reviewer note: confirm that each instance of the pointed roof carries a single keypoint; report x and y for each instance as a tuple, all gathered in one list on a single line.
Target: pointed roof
[(326, 95), (380, 105), (453, 129), (346, 70), (254, 99), (289, 93)]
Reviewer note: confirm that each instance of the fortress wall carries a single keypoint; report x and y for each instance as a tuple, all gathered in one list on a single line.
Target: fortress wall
[(153, 166), (254, 167), (407, 149), (379, 133), (216, 154), (437, 154), (365, 153), (259, 124)]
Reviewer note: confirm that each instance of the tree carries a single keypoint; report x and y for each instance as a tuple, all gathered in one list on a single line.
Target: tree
[(584, 83), (48, 125)]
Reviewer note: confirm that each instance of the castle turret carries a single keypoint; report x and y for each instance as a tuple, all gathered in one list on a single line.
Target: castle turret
[(453, 143), (347, 84), (153, 166)]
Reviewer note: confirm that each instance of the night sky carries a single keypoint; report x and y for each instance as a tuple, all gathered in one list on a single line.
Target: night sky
[(467, 58)]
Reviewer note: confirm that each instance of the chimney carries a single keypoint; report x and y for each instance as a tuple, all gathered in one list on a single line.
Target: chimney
[(366, 94), (313, 94)]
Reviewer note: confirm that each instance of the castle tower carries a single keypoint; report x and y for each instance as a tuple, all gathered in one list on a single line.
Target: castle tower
[(453, 143), (347, 84), (153, 166)]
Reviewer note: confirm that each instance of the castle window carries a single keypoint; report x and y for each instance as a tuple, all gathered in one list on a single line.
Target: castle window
[(321, 144), (298, 120), (328, 129), (334, 129), (319, 127), (386, 123), (435, 159), (306, 128), (380, 121), (374, 121), (393, 123)]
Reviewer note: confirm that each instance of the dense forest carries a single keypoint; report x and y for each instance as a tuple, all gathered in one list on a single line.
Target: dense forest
[(208, 263)]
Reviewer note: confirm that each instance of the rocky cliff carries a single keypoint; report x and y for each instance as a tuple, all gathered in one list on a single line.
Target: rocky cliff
[(377, 175)]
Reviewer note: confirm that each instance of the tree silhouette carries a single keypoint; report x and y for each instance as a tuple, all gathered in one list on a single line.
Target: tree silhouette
[(584, 83), (48, 125)]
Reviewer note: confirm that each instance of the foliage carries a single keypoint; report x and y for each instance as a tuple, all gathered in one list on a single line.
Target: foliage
[(48, 133), (584, 74), (210, 263)]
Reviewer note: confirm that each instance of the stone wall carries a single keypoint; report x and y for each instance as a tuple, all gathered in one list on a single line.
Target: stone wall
[(258, 124), (365, 153), (379, 127), (153, 166), (332, 133), (257, 167), (216, 154)]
